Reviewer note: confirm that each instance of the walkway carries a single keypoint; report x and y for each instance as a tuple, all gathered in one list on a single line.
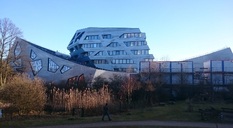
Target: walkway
[(144, 123)]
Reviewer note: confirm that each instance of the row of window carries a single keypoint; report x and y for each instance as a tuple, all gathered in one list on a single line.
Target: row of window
[(117, 52), (92, 37), (52, 66), (113, 44), (100, 61), (122, 61), (36, 65), (140, 52), (114, 61), (131, 35), (109, 36), (92, 45), (135, 43), (96, 37)]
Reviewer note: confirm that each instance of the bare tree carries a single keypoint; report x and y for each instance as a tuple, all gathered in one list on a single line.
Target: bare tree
[(8, 34)]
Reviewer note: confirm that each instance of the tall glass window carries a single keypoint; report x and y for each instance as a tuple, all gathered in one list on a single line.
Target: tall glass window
[(36, 66), (52, 66)]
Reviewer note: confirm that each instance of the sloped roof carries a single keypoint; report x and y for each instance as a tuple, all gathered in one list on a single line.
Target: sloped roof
[(223, 54)]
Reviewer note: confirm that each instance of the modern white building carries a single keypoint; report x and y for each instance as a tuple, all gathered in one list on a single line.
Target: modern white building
[(114, 49)]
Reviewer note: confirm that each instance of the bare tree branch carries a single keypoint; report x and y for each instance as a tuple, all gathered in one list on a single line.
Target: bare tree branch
[(8, 34)]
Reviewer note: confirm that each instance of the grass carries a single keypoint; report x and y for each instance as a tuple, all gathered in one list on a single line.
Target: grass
[(176, 112)]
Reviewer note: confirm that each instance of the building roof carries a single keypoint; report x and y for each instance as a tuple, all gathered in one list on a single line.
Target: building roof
[(223, 54)]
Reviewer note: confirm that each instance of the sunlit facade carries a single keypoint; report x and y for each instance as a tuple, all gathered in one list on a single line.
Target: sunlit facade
[(52, 67), (114, 49)]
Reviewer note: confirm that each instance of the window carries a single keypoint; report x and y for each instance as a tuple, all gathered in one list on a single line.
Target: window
[(100, 61), (135, 43), (17, 50), (33, 55), (131, 35), (92, 37), (113, 44), (107, 36), (52, 66), (92, 45), (140, 52), (122, 61), (100, 53), (65, 69), (36, 66), (117, 52)]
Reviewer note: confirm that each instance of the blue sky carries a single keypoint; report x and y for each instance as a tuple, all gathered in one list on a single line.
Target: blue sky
[(175, 29)]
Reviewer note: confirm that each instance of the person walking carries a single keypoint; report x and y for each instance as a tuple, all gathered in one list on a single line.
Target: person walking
[(105, 112)]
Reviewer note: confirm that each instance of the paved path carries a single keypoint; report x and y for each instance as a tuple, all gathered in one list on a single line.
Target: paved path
[(144, 123)]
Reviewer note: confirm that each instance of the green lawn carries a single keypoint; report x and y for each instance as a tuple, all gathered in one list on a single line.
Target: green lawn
[(176, 112)]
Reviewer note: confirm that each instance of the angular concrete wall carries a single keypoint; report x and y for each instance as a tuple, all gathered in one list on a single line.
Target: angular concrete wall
[(51, 66)]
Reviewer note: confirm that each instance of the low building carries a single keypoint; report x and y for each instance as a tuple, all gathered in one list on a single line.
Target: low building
[(214, 69), (51, 66)]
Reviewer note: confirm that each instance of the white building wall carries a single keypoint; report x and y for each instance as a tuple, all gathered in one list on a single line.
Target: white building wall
[(172, 72), (133, 53), (219, 72)]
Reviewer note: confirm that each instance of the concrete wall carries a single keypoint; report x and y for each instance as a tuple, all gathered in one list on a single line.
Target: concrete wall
[(43, 57)]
